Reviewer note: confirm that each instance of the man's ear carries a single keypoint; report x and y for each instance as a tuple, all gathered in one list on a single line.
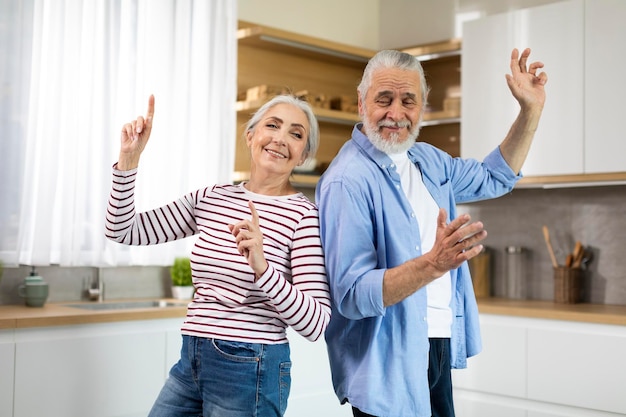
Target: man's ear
[(360, 103)]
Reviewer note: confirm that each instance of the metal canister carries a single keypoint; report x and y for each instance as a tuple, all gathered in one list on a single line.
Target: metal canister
[(515, 280)]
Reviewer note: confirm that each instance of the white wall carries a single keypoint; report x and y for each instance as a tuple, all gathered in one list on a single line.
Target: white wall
[(373, 24), (407, 23), (353, 22)]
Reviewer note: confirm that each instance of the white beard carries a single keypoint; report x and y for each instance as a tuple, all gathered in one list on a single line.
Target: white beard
[(393, 144)]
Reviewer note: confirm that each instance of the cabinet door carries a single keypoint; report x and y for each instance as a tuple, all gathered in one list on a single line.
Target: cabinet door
[(489, 109), (579, 365), (7, 361), (605, 86), (503, 342), (112, 369), (311, 387)]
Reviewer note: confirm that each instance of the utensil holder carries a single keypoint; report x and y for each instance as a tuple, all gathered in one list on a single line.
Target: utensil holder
[(568, 285)]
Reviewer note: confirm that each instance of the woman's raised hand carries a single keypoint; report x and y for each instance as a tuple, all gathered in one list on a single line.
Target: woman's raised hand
[(249, 240), (134, 138)]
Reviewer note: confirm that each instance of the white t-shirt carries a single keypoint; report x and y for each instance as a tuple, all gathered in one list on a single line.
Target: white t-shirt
[(439, 292)]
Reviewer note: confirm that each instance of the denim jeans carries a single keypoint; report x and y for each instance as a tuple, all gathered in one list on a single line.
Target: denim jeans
[(440, 378), (226, 379)]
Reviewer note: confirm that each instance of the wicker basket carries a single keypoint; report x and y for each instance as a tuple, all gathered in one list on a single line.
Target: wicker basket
[(568, 285)]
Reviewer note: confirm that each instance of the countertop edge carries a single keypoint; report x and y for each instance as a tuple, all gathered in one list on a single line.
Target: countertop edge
[(580, 312), (59, 314)]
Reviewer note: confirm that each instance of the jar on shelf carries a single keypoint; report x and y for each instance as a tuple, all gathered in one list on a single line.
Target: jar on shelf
[(480, 270), (515, 279)]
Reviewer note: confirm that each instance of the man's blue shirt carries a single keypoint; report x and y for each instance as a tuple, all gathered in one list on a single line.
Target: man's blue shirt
[(378, 355)]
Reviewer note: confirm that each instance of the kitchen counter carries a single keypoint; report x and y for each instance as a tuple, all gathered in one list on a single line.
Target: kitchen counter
[(60, 314), (582, 312)]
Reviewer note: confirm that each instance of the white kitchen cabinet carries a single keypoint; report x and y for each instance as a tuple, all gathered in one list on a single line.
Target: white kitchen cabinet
[(579, 41), (7, 360), (554, 32), (501, 341), (605, 86), (117, 369), (110, 369), (582, 366), (312, 391), (487, 108), (544, 368)]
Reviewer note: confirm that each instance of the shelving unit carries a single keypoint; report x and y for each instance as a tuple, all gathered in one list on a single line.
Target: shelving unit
[(297, 62), (268, 56), (442, 67)]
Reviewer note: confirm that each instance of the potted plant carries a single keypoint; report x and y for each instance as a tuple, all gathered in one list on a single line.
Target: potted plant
[(182, 285)]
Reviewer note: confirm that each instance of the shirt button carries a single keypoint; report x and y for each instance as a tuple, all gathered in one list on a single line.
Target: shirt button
[(412, 214), (397, 186), (417, 248)]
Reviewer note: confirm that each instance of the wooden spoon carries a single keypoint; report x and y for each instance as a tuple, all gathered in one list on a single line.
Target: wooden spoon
[(546, 236), (579, 252)]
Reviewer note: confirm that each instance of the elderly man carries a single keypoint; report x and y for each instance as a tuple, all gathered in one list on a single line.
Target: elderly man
[(403, 308)]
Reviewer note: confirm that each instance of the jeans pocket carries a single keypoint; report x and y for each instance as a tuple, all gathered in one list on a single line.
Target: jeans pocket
[(237, 351), (285, 385)]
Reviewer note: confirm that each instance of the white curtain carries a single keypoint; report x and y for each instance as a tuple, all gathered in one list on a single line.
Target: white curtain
[(72, 73)]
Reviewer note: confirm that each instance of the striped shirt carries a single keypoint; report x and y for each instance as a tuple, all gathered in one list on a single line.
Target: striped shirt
[(228, 304)]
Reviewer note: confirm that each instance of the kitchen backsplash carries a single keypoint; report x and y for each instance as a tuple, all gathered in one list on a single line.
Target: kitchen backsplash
[(592, 215), (71, 283)]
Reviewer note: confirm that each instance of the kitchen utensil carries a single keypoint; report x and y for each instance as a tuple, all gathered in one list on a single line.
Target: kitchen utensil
[(578, 254), (546, 236)]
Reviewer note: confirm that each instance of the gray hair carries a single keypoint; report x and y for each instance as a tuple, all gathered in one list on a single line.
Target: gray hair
[(392, 59), (313, 139)]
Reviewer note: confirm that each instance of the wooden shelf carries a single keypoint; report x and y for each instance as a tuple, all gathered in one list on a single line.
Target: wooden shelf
[(293, 62), (298, 62), (258, 36), (440, 118), (323, 115), (435, 50), (441, 61)]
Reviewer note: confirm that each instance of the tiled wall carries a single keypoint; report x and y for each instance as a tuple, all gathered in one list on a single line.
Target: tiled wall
[(70, 284), (593, 215)]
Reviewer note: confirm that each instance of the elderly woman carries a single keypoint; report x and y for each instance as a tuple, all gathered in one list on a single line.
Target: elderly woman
[(257, 266)]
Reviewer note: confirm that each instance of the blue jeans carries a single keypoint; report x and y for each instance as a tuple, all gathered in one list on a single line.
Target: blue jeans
[(440, 378), (226, 379)]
